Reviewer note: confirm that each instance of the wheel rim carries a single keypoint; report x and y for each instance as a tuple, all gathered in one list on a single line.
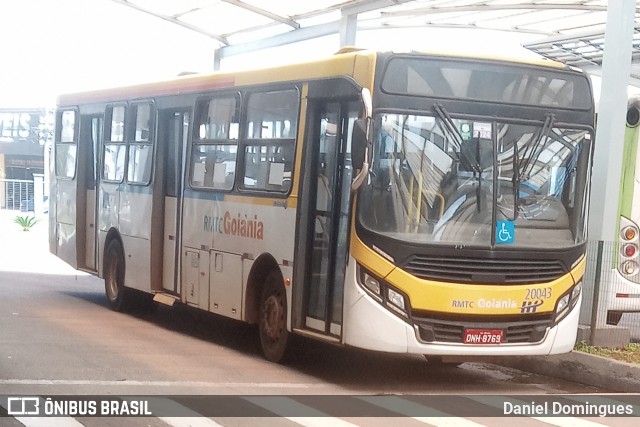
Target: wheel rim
[(112, 281), (272, 317)]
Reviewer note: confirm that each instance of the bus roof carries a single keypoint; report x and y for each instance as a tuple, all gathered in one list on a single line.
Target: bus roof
[(340, 64)]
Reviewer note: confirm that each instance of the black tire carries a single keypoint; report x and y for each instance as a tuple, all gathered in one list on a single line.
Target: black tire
[(613, 317), (114, 276), (272, 324)]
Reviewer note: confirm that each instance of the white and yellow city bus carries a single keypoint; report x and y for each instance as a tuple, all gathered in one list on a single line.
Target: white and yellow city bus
[(400, 202)]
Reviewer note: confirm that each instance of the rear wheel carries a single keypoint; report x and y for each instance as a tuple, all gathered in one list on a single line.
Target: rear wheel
[(114, 276), (273, 318)]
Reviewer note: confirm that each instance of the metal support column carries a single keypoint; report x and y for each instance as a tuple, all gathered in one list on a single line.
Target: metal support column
[(605, 189), (348, 28), (616, 67)]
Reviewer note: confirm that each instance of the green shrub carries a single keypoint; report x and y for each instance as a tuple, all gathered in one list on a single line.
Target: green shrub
[(26, 222)]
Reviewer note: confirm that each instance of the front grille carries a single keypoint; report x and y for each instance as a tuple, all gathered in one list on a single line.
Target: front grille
[(473, 270), (516, 329)]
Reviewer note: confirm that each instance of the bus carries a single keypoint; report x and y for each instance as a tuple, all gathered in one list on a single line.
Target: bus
[(417, 203), (619, 261)]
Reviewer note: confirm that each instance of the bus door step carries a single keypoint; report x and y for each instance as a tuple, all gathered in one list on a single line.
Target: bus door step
[(166, 299)]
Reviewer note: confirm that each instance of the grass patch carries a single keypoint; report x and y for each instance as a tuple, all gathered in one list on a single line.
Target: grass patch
[(629, 353)]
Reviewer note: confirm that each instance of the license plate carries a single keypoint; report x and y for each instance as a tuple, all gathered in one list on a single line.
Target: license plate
[(483, 336)]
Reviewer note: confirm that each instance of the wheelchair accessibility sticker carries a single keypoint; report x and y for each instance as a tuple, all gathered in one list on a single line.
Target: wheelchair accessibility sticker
[(505, 232)]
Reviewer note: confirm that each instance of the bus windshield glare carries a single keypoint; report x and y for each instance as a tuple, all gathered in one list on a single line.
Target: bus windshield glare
[(440, 180)]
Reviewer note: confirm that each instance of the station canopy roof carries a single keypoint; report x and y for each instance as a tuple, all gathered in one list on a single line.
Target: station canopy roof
[(571, 31)]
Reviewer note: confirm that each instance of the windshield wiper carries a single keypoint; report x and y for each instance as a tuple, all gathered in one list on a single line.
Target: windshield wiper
[(536, 149), (448, 127), (522, 169)]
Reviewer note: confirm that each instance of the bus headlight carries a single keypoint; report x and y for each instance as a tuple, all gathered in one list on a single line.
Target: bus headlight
[(371, 283), (575, 293), (384, 293), (563, 303), (396, 299), (568, 301)]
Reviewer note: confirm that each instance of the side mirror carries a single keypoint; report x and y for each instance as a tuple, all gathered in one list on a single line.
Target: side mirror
[(358, 143)]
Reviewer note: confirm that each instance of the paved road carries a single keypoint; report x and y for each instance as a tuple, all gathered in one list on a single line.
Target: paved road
[(57, 336)]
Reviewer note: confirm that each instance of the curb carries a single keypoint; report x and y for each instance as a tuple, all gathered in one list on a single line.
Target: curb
[(579, 367)]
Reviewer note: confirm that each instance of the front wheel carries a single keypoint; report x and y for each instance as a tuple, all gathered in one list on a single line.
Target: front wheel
[(273, 318)]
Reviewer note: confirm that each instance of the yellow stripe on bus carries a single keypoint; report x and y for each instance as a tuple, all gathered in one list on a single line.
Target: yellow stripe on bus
[(290, 202), (430, 295)]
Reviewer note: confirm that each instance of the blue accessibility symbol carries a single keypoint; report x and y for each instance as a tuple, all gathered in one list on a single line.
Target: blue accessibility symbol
[(505, 232)]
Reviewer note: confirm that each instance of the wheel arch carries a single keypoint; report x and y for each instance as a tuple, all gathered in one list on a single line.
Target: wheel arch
[(260, 269)]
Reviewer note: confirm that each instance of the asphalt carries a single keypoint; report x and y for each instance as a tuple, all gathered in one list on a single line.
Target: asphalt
[(28, 251)]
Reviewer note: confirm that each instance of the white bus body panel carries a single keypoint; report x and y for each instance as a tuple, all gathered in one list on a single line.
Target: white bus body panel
[(135, 214), (130, 214), (227, 237), (137, 256), (615, 283), (368, 325)]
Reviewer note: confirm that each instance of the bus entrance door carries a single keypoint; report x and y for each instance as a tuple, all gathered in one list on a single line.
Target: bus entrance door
[(329, 197), (175, 134), (90, 133)]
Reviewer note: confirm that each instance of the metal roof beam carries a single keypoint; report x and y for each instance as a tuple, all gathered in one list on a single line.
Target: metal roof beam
[(490, 8), (173, 20), (368, 6), (346, 27), (293, 36), (456, 26), (284, 20)]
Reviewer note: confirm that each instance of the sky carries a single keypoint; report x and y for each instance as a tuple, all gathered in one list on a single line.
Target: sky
[(58, 46)]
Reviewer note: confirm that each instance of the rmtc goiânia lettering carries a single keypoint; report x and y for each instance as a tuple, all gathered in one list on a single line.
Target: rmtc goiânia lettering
[(239, 226)]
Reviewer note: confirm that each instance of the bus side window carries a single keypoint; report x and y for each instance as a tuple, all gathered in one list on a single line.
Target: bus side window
[(114, 146), (66, 145), (141, 148), (271, 127), (213, 163)]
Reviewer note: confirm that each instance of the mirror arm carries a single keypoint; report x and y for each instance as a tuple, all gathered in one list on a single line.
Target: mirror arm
[(362, 175), (368, 110)]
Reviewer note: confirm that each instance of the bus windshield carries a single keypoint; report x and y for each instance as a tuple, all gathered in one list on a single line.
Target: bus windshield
[(478, 182)]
